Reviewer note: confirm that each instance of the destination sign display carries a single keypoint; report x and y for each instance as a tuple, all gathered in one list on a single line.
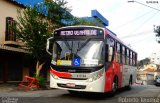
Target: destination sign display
[(79, 32)]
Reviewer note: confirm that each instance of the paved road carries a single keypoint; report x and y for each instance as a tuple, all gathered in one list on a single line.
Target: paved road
[(62, 96)]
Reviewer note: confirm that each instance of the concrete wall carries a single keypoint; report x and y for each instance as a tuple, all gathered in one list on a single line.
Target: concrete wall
[(7, 9)]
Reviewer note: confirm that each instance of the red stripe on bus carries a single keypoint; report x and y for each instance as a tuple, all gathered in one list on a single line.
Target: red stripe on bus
[(109, 76), (108, 80), (61, 74)]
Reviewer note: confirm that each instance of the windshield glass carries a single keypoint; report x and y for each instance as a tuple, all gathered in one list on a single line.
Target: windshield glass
[(77, 53)]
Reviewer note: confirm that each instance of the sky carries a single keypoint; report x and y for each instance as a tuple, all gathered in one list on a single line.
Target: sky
[(132, 22)]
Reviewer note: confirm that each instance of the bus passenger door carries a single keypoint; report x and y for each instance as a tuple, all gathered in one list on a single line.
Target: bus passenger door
[(108, 67)]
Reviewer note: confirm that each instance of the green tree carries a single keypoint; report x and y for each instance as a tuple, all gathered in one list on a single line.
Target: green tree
[(143, 62), (35, 25), (157, 31), (89, 21), (58, 13)]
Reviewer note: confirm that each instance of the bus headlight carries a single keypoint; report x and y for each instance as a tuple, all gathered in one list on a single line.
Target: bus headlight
[(54, 76), (90, 79), (95, 77)]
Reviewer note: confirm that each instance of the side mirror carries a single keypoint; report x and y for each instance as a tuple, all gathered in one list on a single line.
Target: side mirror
[(49, 46)]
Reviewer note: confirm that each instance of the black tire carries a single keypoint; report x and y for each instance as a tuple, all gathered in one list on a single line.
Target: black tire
[(73, 92), (114, 86), (129, 86)]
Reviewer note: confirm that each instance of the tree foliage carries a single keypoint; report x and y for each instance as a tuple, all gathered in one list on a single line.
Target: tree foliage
[(35, 25), (87, 21), (143, 62), (58, 13), (157, 31), (33, 29)]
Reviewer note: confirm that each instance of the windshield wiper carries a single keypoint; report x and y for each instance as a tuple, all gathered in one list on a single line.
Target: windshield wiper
[(83, 45), (68, 46)]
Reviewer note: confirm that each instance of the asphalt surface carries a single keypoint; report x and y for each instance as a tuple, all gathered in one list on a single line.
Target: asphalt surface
[(138, 93)]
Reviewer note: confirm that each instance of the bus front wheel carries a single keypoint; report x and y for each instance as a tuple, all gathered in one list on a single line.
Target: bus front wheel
[(114, 86)]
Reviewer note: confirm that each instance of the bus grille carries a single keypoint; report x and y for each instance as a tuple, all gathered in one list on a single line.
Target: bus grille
[(73, 70), (74, 78), (76, 86)]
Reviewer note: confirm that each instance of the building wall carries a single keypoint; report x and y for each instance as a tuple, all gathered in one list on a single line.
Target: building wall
[(13, 66), (11, 62), (7, 9)]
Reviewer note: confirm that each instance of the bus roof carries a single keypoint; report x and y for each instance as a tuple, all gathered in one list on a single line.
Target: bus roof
[(78, 26), (114, 36)]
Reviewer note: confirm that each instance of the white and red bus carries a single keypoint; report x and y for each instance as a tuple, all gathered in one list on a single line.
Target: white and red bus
[(90, 59)]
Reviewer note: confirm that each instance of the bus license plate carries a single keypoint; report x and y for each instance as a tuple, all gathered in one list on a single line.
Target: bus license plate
[(70, 85)]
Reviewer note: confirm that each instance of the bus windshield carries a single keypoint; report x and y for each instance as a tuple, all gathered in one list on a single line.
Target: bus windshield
[(77, 53)]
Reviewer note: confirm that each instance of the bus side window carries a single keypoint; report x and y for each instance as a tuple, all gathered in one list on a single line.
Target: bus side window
[(127, 56), (109, 53), (134, 59), (131, 58), (123, 55), (118, 57), (110, 57), (110, 46)]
